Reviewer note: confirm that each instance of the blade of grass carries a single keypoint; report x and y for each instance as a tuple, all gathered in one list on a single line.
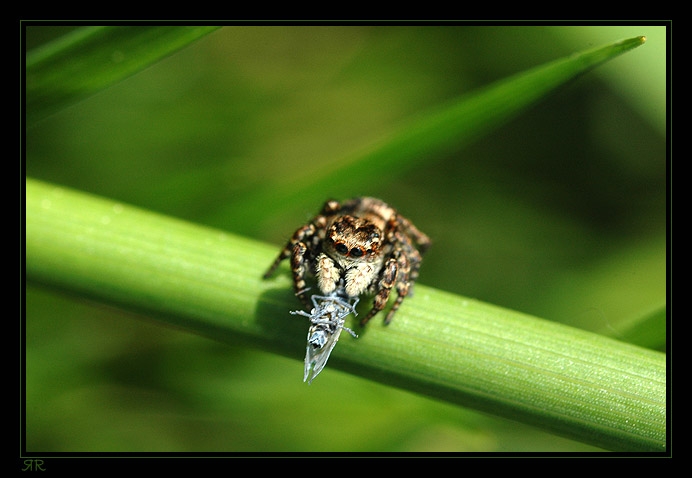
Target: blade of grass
[(90, 59), (649, 331), (578, 384), (440, 130)]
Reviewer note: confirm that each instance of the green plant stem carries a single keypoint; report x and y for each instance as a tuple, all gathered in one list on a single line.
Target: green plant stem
[(574, 383)]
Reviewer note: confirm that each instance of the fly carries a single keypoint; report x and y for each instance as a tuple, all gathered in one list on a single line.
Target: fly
[(326, 323)]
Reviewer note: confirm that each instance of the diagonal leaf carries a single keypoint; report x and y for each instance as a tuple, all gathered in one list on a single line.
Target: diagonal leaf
[(90, 59), (440, 130), (648, 331), (582, 385)]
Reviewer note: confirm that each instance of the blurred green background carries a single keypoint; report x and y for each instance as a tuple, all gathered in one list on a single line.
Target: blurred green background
[(560, 213)]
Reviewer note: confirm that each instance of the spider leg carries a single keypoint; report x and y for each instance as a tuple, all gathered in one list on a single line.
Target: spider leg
[(402, 285), (303, 234), (284, 254), (422, 240), (388, 277), (299, 267), (297, 250)]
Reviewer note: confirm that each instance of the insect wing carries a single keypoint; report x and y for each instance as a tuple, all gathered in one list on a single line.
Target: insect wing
[(316, 357)]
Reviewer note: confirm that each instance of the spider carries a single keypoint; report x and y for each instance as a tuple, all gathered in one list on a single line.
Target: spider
[(358, 246)]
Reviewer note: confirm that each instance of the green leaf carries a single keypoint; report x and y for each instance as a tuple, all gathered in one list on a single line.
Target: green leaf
[(572, 382), (649, 331), (420, 140), (90, 59)]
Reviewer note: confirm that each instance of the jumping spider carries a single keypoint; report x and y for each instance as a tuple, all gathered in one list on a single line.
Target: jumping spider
[(358, 246)]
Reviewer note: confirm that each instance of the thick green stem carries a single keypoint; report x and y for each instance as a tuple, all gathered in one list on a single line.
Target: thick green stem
[(578, 384)]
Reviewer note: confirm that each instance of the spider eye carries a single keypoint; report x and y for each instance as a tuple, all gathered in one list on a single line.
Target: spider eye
[(357, 252), (341, 248)]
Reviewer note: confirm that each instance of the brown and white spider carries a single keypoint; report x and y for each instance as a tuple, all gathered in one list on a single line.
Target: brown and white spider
[(358, 246)]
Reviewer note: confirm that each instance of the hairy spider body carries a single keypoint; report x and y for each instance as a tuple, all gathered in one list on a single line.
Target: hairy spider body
[(359, 246)]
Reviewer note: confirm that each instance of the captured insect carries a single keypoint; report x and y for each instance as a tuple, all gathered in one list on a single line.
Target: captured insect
[(327, 321)]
